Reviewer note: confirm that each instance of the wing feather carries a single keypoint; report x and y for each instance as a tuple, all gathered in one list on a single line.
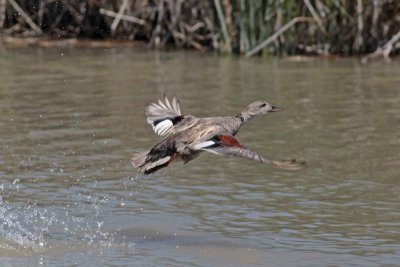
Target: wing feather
[(230, 146), (162, 115), (237, 152), (291, 165)]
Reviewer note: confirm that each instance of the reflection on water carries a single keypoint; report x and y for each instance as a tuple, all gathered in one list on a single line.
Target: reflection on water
[(70, 120)]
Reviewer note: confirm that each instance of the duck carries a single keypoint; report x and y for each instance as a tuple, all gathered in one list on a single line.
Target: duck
[(185, 137)]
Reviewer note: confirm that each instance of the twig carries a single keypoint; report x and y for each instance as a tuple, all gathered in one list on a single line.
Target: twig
[(358, 43), (375, 17), (244, 42), (383, 50), (117, 19), (342, 9), (223, 25), (315, 15), (2, 12), (228, 12), (78, 16), (197, 45), (57, 21), (41, 12), (274, 36), (155, 36), (26, 17), (278, 23), (123, 17), (214, 37), (172, 25), (323, 9), (189, 40), (193, 28)]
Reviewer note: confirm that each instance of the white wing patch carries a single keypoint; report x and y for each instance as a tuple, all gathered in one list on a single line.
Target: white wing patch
[(159, 162), (163, 127), (162, 114), (203, 145)]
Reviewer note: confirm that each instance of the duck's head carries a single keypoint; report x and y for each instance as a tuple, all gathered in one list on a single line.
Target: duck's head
[(258, 108)]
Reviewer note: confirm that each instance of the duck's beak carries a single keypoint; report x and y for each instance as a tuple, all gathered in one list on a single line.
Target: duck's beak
[(275, 109)]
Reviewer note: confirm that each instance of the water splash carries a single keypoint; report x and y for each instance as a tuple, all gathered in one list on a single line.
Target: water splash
[(27, 229), (24, 227)]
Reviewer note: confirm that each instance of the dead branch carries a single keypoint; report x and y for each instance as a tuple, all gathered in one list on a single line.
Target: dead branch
[(123, 17), (26, 17), (117, 19), (315, 15), (384, 50)]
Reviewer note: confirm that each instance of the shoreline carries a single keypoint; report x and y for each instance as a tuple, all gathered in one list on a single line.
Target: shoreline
[(262, 28), (8, 42), (47, 42)]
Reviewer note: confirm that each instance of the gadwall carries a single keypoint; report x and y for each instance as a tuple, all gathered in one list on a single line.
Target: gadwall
[(186, 136)]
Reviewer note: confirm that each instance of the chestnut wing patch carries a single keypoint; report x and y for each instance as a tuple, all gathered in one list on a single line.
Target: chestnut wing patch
[(228, 141), (220, 140), (225, 144)]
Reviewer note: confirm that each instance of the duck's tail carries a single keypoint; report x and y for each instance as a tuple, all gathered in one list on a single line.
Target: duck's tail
[(147, 165), (139, 160)]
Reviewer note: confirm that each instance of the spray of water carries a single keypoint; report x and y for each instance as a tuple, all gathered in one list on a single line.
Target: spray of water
[(28, 229)]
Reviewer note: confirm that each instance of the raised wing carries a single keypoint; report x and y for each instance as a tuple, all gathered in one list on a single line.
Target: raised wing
[(163, 115)]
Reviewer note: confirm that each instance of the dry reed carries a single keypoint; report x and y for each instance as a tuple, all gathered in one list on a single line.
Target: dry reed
[(342, 27)]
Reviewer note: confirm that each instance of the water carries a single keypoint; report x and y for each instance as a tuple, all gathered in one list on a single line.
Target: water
[(70, 120)]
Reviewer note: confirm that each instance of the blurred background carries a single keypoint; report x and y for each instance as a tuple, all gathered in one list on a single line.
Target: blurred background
[(335, 27)]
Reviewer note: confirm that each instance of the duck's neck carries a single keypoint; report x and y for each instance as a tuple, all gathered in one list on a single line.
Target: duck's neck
[(243, 116)]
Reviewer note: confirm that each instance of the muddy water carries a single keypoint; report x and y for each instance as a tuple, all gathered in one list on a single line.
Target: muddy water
[(70, 119)]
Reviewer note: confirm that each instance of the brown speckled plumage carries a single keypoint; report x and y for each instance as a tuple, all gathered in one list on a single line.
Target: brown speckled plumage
[(186, 136)]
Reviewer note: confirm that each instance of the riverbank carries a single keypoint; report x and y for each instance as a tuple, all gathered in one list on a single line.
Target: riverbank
[(259, 27), (46, 42)]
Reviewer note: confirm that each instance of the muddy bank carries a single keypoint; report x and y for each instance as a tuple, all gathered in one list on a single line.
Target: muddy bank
[(18, 42)]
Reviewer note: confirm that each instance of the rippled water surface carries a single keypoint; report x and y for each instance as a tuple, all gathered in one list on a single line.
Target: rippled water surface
[(70, 120)]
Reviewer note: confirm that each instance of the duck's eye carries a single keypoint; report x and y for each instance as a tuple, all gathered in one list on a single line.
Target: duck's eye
[(263, 105)]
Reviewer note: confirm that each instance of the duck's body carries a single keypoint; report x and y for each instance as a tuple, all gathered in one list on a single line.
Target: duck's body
[(188, 136)]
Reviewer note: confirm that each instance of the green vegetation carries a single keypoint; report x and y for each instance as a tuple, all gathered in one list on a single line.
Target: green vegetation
[(343, 27)]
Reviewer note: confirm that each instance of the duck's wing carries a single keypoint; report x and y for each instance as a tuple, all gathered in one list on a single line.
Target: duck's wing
[(226, 144), (164, 115)]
